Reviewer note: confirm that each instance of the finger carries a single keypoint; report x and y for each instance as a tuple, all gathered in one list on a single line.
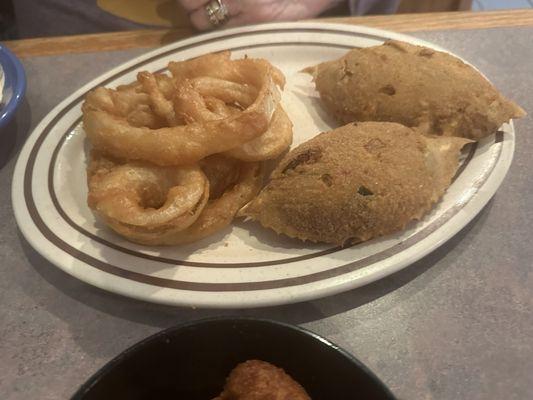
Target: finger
[(191, 5), (200, 19), (239, 20)]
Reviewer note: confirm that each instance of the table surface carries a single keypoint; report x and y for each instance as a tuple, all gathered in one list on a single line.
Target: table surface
[(456, 325), (155, 37)]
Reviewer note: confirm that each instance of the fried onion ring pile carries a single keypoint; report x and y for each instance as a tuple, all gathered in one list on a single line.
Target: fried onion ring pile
[(175, 156)]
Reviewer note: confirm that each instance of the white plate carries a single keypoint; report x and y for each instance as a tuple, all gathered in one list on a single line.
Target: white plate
[(245, 266)]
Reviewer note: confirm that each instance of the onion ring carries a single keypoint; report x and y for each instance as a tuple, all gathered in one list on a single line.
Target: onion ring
[(192, 107), (112, 134), (221, 109), (219, 213), (125, 102), (176, 157), (166, 85), (161, 106), (219, 65), (229, 92), (146, 203), (116, 102), (270, 144)]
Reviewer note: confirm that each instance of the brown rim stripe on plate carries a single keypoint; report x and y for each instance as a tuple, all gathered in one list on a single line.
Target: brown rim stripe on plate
[(187, 263), (264, 285), (200, 286), (125, 250)]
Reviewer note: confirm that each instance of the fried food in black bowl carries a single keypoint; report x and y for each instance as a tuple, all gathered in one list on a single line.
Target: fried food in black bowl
[(193, 361)]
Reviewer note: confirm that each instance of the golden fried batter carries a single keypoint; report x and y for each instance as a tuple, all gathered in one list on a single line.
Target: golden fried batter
[(415, 86), (356, 182), (259, 380), (145, 203)]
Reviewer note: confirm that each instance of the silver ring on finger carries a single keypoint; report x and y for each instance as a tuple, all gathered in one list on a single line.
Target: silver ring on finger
[(217, 13)]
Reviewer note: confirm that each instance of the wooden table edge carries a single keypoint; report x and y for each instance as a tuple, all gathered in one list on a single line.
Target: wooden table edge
[(51, 46)]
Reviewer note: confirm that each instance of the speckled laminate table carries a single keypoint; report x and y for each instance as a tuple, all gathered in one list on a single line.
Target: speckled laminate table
[(456, 325)]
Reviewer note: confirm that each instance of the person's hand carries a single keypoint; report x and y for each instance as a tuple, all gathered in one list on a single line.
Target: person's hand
[(245, 12)]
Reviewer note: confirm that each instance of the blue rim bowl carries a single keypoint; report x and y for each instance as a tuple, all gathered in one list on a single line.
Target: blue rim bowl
[(14, 85), (192, 361)]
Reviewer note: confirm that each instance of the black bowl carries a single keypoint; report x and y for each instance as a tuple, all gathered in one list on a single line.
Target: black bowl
[(191, 362)]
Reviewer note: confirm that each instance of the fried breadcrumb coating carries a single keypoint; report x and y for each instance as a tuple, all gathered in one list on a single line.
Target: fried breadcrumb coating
[(356, 182), (259, 380), (432, 91)]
